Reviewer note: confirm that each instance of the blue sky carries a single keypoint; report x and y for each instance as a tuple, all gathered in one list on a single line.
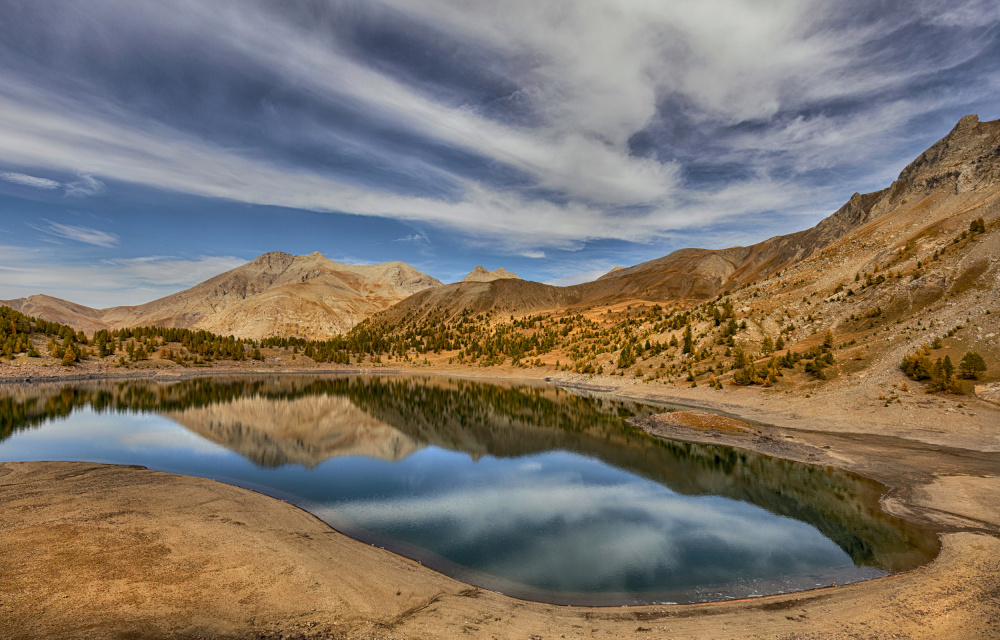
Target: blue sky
[(146, 146)]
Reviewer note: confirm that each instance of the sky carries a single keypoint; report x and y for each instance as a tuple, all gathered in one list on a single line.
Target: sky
[(146, 146)]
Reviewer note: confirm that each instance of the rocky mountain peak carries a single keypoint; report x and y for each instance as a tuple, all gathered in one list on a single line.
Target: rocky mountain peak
[(964, 160), (479, 274), (276, 260)]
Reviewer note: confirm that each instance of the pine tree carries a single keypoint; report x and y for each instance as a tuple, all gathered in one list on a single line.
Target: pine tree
[(971, 365), (948, 368), (768, 345), (626, 359), (828, 339)]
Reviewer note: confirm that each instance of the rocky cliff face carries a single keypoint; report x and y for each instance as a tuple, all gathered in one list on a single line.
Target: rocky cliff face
[(967, 159)]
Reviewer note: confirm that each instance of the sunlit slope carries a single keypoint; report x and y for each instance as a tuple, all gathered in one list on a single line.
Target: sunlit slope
[(275, 294)]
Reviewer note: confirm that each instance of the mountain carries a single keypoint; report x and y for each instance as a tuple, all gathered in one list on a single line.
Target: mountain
[(957, 175), (954, 181), (479, 274), (896, 288), (275, 294), (52, 309)]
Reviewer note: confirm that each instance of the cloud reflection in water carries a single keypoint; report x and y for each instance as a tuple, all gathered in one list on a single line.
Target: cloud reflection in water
[(565, 522)]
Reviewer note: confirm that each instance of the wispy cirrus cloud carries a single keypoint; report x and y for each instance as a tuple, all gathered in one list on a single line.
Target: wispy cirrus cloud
[(416, 238), (76, 233), (534, 127), (29, 181), (84, 185)]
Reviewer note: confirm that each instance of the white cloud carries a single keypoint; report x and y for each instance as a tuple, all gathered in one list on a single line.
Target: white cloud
[(416, 238), (86, 235), (29, 181), (167, 159), (592, 73), (85, 185)]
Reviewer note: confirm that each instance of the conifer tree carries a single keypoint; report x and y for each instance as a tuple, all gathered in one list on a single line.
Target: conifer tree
[(828, 339), (768, 345), (971, 365)]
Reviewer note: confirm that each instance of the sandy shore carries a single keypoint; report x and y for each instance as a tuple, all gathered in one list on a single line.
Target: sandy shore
[(122, 552), (103, 551)]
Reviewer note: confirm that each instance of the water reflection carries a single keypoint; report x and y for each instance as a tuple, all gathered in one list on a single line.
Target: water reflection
[(524, 488)]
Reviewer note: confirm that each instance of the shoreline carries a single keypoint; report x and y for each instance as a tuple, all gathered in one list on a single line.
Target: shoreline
[(952, 488), (214, 534)]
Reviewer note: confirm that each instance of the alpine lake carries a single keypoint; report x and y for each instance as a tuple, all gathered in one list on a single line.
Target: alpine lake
[(522, 488)]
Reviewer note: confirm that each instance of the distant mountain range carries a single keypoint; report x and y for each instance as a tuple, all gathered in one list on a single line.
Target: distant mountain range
[(312, 296), (276, 294)]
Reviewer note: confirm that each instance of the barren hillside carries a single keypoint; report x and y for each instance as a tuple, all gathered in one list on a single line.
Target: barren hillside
[(911, 269), (275, 294)]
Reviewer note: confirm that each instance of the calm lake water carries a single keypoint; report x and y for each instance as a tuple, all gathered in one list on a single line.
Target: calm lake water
[(527, 490)]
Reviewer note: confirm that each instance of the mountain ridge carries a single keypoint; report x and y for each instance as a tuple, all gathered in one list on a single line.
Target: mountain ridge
[(963, 162), (277, 293)]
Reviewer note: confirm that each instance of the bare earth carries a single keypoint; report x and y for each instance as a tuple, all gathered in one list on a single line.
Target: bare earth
[(101, 551)]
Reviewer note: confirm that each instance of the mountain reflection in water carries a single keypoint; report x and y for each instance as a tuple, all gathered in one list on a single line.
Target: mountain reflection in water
[(275, 421)]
